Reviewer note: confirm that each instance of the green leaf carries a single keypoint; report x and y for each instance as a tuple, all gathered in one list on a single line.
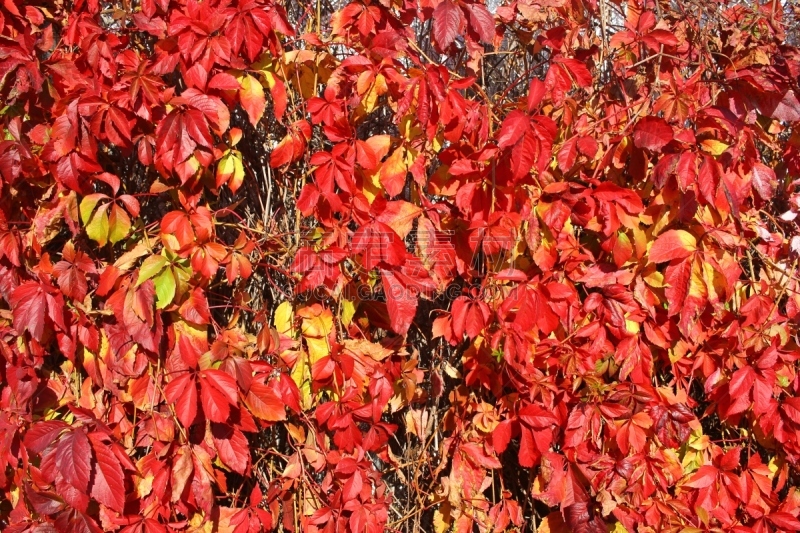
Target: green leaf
[(182, 274), (151, 266), (97, 228), (88, 204), (165, 288)]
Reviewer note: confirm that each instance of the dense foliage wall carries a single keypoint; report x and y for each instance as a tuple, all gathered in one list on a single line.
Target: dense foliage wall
[(399, 265)]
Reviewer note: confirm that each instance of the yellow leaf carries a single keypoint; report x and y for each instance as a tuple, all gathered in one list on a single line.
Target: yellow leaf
[(544, 525), (372, 185), (774, 465), (230, 170), (305, 69), (715, 282), (270, 77), (713, 146), (442, 519), (317, 325), (199, 524), (348, 311), (265, 65), (409, 128), (284, 319), (619, 528), (697, 285), (197, 333), (653, 277), (145, 485), (437, 143)]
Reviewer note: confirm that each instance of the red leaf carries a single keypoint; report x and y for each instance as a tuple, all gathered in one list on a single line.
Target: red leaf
[(536, 93), (108, 486), (224, 81), (292, 146), (501, 436), (195, 308), (29, 307), (577, 69), (279, 98), (581, 517), (672, 244), (524, 154), (73, 459), (709, 177), (72, 272), (537, 417), (791, 406), (43, 434), (74, 521), (568, 154), (401, 302), (363, 519), (469, 316), (379, 243), (196, 77), (528, 453), (652, 133), (179, 225), (704, 477), (219, 392), (514, 127), (742, 381), (785, 107), (664, 37), (447, 20), (587, 146), (352, 487), (182, 393), (308, 199), (232, 447), (677, 277), (785, 520), (264, 403), (393, 173), (482, 21), (764, 181)]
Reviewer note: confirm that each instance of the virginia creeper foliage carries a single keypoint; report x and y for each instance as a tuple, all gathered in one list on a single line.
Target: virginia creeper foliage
[(404, 265)]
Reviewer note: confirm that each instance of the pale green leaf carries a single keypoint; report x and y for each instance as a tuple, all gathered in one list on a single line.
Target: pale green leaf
[(151, 266), (97, 228), (88, 204), (165, 288)]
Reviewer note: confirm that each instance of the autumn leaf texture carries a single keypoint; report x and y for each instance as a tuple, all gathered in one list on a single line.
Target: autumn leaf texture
[(375, 266)]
